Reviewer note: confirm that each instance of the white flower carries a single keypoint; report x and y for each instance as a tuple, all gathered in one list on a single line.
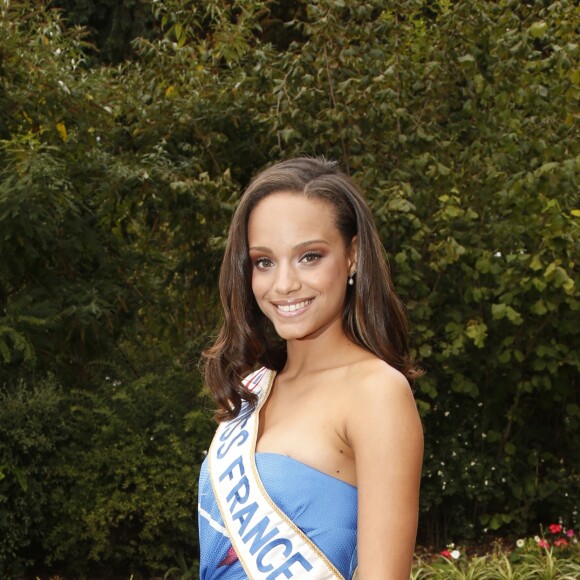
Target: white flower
[(520, 543), (455, 554)]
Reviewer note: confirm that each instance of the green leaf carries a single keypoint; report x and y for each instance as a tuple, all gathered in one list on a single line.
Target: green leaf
[(546, 168), (510, 448), (505, 356), (466, 59), (539, 307), (513, 315), (536, 263), (498, 311), (178, 31), (477, 331), (538, 29)]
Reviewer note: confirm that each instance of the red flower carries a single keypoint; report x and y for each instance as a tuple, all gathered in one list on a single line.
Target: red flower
[(555, 528), (561, 542), (445, 554), (543, 544)]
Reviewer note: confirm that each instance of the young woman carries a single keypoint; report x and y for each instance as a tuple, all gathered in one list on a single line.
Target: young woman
[(314, 470)]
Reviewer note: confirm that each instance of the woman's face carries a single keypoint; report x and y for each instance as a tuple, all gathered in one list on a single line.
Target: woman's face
[(300, 264)]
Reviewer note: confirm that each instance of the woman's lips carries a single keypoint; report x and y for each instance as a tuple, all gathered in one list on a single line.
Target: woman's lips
[(293, 308)]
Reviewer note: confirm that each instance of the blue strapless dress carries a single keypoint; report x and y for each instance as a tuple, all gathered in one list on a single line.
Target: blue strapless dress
[(323, 507)]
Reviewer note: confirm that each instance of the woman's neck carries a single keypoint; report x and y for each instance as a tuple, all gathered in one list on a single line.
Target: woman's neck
[(329, 349)]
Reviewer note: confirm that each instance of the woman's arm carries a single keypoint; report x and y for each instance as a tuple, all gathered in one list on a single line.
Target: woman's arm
[(384, 431)]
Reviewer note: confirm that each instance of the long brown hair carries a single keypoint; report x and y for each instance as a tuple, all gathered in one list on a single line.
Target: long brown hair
[(373, 317)]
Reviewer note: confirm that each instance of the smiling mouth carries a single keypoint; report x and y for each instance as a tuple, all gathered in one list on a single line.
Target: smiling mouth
[(289, 308)]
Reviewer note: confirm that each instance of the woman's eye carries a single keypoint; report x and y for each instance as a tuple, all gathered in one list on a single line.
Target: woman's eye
[(311, 257), (262, 263)]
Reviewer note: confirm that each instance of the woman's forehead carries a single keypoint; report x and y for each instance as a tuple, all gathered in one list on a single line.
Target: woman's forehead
[(293, 218)]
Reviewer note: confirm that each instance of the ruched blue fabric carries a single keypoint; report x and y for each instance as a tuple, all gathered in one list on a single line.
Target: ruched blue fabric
[(323, 507)]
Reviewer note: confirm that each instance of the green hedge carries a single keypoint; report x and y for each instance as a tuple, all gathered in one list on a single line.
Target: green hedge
[(100, 482), (117, 183)]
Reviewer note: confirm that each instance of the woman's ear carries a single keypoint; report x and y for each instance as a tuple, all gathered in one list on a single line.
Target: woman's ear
[(352, 255)]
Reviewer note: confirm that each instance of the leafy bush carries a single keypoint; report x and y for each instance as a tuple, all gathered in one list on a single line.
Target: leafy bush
[(126, 484), (103, 481), (31, 432)]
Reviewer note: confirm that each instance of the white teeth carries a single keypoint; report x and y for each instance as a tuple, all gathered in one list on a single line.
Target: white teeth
[(293, 307)]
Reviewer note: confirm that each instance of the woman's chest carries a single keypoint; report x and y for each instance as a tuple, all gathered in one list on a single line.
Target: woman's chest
[(310, 428)]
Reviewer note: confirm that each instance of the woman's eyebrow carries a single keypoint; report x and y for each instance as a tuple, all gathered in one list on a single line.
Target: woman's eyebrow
[(296, 247), (309, 243)]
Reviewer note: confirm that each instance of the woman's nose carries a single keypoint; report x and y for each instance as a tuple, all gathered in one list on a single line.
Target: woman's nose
[(286, 280)]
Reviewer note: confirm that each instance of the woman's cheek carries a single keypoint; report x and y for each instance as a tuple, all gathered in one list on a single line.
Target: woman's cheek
[(258, 290)]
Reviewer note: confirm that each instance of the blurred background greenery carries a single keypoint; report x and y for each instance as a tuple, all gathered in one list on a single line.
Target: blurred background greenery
[(128, 130)]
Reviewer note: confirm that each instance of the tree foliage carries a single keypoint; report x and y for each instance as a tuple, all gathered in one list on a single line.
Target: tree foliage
[(117, 183)]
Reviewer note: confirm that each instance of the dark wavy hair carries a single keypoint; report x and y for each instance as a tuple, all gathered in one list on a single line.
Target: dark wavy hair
[(373, 317)]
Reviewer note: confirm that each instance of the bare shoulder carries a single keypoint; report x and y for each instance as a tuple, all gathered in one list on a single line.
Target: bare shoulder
[(374, 381), (380, 399)]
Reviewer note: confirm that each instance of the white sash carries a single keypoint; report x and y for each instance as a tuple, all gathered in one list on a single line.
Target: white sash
[(268, 544)]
